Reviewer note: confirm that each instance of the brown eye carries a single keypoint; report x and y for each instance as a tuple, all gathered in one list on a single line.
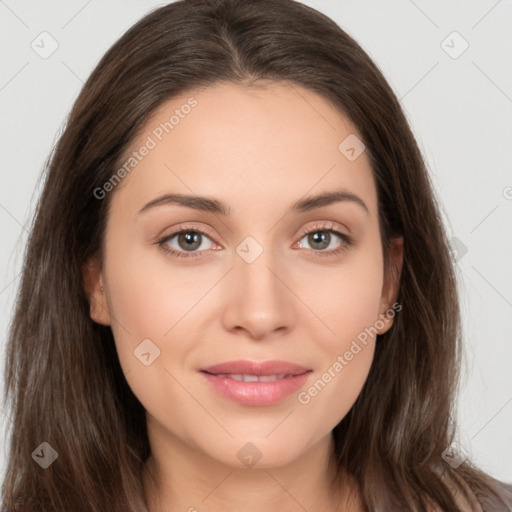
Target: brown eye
[(189, 240), (319, 239), (185, 243)]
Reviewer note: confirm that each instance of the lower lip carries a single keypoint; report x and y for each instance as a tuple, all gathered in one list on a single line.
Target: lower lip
[(256, 393)]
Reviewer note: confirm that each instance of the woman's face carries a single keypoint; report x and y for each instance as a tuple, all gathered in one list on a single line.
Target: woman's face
[(259, 282)]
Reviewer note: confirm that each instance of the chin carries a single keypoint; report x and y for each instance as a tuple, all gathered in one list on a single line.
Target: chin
[(259, 454)]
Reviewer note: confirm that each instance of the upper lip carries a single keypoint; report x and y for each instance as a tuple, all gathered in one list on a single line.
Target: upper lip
[(256, 368)]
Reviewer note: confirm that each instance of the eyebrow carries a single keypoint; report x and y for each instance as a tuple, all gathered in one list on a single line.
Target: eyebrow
[(208, 204)]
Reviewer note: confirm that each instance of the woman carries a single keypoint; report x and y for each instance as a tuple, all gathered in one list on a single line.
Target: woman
[(180, 341)]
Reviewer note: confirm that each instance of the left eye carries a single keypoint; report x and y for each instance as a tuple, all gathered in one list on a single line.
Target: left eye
[(321, 239)]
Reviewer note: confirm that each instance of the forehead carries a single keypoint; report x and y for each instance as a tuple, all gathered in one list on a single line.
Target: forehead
[(242, 143)]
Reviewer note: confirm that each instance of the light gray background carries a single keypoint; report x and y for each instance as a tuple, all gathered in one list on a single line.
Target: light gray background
[(460, 110)]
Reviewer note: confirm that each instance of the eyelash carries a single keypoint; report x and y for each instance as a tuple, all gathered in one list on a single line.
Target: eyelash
[(345, 244)]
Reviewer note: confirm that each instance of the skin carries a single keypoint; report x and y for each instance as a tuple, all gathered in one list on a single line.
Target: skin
[(258, 150)]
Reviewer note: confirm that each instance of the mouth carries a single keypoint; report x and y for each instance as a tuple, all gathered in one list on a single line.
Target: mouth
[(240, 377), (253, 383)]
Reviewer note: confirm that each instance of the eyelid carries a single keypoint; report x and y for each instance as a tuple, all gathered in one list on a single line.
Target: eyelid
[(324, 226), (190, 227)]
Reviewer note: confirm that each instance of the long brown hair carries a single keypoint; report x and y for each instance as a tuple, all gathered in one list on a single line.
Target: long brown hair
[(64, 383)]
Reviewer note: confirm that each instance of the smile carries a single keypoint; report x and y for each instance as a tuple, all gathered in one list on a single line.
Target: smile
[(256, 390), (253, 378)]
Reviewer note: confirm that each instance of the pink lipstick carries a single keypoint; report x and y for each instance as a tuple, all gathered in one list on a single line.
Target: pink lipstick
[(253, 383)]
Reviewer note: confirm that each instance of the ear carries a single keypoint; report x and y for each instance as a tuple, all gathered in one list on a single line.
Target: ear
[(92, 281), (391, 285)]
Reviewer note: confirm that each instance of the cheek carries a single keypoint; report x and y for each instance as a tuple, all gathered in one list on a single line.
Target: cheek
[(148, 294), (143, 306), (347, 352), (346, 298), (330, 395), (151, 342), (348, 303)]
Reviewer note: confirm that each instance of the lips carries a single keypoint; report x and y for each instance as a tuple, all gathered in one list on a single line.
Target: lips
[(253, 383), (267, 368)]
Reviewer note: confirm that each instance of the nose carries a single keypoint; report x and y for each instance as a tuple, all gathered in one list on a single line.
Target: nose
[(260, 300)]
